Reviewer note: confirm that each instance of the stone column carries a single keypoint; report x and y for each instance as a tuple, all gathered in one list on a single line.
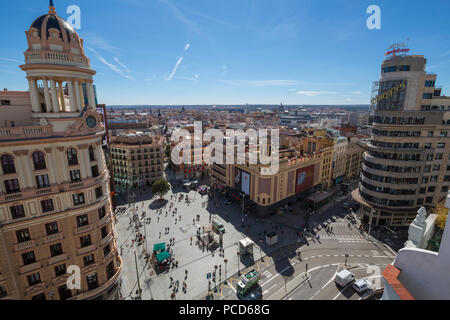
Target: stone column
[(54, 96), (48, 101), (61, 96), (73, 106), (91, 95), (81, 97), (77, 96), (36, 107)]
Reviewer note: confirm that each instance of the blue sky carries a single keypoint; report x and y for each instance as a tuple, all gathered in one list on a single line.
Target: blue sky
[(236, 51)]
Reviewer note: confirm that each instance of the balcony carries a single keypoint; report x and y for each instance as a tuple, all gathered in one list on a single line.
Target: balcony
[(103, 221), (106, 239), (83, 229), (24, 245), (28, 132), (87, 295), (53, 237), (30, 267), (35, 288), (83, 251), (58, 259), (53, 57)]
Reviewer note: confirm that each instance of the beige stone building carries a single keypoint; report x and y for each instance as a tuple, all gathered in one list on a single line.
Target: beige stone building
[(137, 159), (55, 206), (406, 164)]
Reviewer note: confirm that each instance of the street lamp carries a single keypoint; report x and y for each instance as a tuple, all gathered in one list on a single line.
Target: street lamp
[(243, 204), (239, 257), (225, 261), (370, 222)]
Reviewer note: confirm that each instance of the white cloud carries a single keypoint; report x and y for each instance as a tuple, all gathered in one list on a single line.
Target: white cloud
[(308, 93), (111, 66), (10, 60), (187, 46), (356, 92), (175, 69), (122, 65), (315, 93)]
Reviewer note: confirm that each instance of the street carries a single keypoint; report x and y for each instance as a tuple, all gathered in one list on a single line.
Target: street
[(281, 268)]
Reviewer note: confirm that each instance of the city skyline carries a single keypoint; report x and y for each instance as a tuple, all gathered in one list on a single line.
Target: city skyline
[(215, 54)]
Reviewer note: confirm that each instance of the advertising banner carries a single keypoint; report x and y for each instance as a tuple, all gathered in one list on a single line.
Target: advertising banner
[(245, 183), (305, 178)]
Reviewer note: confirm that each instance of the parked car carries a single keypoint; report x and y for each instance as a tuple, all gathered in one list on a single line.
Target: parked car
[(227, 202), (361, 286), (344, 277)]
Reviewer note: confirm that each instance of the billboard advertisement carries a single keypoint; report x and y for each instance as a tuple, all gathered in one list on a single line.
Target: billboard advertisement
[(245, 183), (305, 178), (242, 181)]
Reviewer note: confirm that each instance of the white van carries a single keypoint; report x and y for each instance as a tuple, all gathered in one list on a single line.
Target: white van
[(344, 277)]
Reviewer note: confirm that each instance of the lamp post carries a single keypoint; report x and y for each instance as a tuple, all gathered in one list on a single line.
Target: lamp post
[(243, 204), (239, 268), (370, 222), (225, 261), (346, 258)]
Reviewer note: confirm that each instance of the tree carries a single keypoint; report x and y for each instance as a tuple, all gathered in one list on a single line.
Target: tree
[(160, 187), (442, 213)]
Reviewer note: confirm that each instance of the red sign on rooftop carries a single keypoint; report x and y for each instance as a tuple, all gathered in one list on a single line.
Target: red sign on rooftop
[(397, 49)]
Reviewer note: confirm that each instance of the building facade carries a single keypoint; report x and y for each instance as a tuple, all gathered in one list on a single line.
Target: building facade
[(137, 159), (406, 164), (55, 205)]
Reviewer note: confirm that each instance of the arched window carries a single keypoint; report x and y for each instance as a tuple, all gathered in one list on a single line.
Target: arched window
[(39, 160), (72, 157), (8, 164), (91, 153)]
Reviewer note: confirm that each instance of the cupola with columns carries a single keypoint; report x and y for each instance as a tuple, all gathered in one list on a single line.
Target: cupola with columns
[(59, 74)]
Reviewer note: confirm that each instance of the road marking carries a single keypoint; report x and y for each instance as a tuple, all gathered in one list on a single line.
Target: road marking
[(267, 290)]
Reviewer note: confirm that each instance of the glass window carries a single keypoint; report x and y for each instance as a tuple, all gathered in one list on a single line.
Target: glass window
[(17, 212), (23, 235), (42, 181), (56, 250), (12, 186), (101, 212), (60, 270), (91, 154), (82, 220), (75, 176), (28, 258), (85, 241), (47, 205), (51, 228), (39, 161), (34, 278), (8, 164), (72, 157), (88, 260), (78, 199)]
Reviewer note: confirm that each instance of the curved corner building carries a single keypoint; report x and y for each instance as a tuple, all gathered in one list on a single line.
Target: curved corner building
[(407, 162), (55, 205)]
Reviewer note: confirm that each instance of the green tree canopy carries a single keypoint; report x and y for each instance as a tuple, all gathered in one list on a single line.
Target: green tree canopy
[(160, 187)]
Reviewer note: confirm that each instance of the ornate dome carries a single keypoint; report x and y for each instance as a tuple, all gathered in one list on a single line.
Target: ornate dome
[(51, 26), (51, 21), (50, 34)]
